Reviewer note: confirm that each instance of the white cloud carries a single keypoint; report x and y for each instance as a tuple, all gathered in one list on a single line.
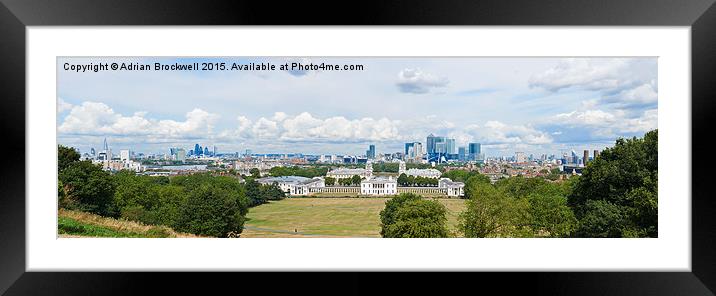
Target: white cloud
[(92, 118), (584, 74), (306, 127), (588, 118), (497, 132), (265, 128), (599, 124), (418, 82), (642, 95), (627, 83)]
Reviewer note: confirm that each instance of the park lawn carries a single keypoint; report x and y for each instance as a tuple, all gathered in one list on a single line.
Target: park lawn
[(326, 217)]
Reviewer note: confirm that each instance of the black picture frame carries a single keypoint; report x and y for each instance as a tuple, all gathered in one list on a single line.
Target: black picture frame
[(16, 15)]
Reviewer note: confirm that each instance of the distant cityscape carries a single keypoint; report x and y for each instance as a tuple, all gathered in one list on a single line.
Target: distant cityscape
[(435, 151)]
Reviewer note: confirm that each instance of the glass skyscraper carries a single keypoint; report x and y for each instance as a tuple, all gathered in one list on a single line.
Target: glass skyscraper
[(474, 151), (371, 152)]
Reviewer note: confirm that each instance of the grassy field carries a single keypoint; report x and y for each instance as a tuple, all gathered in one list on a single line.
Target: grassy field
[(82, 224), (326, 217)]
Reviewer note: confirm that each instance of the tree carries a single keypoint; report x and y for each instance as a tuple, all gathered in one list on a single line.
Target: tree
[(66, 156), (491, 213), (462, 175), (273, 192), (171, 199), (411, 181), (88, 188), (551, 216), (210, 210), (418, 219), (253, 192), (601, 219), (624, 179), (387, 215), (330, 181), (403, 180), (355, 180), (135, 196), (475, 180), (255, 173)]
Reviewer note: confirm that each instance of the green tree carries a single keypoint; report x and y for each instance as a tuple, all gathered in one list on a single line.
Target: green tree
[(273, 192), (624, 178), (88, 188), (473, 182), (171, 200), (253, 192), (212, 211), (330, 181), (135, 196), (491, 213), (255, 173), (601, 219), (403, 180), (418, 218), (355, 180), (551, 216), (387, 215), (66, 156), (411, 181)]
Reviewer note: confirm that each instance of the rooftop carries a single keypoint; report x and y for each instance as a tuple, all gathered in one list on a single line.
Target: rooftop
[(286, 179)]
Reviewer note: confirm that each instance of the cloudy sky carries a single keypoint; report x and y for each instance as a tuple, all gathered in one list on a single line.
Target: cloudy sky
[(533, 105)]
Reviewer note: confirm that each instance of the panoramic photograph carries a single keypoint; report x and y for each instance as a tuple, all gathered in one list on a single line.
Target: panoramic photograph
[(360, 147)]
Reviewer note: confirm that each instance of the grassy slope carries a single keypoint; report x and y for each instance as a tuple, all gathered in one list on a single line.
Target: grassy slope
[(326, 217), (82, 224)]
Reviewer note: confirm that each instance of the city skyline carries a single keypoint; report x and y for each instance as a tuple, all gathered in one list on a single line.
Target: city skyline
[(534, 105)]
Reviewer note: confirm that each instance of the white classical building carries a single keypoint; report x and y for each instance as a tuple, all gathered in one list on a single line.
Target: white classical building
[(294, 185), (379, 186), (342, 173), (118, 165), (452, 188), (428, 173)]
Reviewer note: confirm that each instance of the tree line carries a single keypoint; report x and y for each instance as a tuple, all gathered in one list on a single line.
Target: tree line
[(201, 204)]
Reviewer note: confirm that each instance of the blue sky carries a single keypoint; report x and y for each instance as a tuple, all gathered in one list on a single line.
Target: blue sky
[(534, 105)]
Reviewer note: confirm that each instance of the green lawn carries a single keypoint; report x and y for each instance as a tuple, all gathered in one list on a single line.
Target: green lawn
[(326, 217)]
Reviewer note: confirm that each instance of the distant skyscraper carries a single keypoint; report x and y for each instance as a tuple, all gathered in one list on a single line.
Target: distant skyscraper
[(462, 154), (596, 153), (213, 153), (179, 154), (371, 152), (520, 157), (197, 149), (430, 144), (408, 148), (440, 148), (473, 151), (418, 150), (206, 151), (586, 157), (450, 146), (575, 158)]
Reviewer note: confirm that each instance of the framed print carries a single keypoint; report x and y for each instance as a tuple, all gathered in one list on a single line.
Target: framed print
[(428, 137)]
